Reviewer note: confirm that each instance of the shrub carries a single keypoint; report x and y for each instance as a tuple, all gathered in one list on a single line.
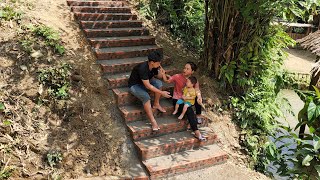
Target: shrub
[(56, 80)]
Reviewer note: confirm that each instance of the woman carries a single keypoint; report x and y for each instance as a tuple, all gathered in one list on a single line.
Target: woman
[(179, 81)]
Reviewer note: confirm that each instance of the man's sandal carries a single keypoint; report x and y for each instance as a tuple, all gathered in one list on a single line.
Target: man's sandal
[(156, 129)]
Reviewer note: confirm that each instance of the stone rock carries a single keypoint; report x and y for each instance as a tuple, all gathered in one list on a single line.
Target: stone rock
[(36, 54), (23, 67)]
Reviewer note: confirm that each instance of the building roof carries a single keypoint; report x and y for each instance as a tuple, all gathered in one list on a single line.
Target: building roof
[(311, 42)]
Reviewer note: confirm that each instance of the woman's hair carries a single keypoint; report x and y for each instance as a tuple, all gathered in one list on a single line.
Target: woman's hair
[(194, 67), (193, 80)]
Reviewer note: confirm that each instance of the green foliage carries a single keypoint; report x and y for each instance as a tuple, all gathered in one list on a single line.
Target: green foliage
[(295, 80), (298, 30), (294, 10), (28, 43), (310, 113), (5, 171), (2, 107), (185, 18), (301, 157), (35, 35), (57, 80), (53, 158), (7, 122), (245, 51), (255, 113), (257, 76), (52, 38), (8, 13)]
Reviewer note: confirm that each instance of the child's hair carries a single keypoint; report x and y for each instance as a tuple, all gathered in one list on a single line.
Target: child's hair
[(194, 67), (193, 80)]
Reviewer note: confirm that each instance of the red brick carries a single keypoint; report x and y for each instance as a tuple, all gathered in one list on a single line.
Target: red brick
[(94, 9), (125, 53), (128, 41), (96, 3), (116, 32), (104, 16), (110, 24), (174, 147)]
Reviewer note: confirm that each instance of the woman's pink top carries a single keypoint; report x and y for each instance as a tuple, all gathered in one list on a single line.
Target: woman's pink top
[(179, 81)]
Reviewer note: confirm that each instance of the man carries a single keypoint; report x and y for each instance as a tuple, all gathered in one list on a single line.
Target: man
[(142, 78)]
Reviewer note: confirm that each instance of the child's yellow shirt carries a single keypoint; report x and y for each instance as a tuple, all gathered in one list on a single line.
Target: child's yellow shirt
[(189, 93)]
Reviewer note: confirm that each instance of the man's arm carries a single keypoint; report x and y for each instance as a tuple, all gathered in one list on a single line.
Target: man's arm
[(147, 84)]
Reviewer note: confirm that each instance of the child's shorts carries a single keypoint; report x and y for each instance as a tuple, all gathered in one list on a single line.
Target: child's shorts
[(181, 101)]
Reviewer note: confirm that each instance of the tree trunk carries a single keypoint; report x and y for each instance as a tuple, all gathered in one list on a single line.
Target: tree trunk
[(220, 23)]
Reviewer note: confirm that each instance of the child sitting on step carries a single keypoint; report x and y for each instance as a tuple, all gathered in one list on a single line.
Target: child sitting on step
[(188, 97)]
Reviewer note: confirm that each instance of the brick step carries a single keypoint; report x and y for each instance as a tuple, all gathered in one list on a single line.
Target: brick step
[(116, 32), (173, 143), (104, 9), (125, 65), (96, 3), (105, 16), (102, 42), (168, 124), (134, 112), (125, 52), (112, 66), (123, 96), (121, 79), (186, 161), (110, 24)]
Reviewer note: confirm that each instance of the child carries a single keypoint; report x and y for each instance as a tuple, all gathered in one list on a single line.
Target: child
[(188, 98)]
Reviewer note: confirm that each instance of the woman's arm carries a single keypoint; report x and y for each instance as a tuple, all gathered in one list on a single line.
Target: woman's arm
[(198, 93), (165, 77)]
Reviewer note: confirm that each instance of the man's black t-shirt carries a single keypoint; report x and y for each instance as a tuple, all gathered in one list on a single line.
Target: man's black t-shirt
[(141, 72)]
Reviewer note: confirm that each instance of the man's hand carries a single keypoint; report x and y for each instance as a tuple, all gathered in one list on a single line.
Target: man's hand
[(165, 94)]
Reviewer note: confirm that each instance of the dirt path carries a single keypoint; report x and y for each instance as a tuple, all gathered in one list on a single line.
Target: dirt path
[(299, 60)]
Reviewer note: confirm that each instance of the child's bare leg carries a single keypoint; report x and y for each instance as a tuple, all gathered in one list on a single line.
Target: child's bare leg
[(176, 109), (185, 107)]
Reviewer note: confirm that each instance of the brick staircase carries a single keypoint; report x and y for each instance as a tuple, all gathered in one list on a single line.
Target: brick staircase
[(119, 42)]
